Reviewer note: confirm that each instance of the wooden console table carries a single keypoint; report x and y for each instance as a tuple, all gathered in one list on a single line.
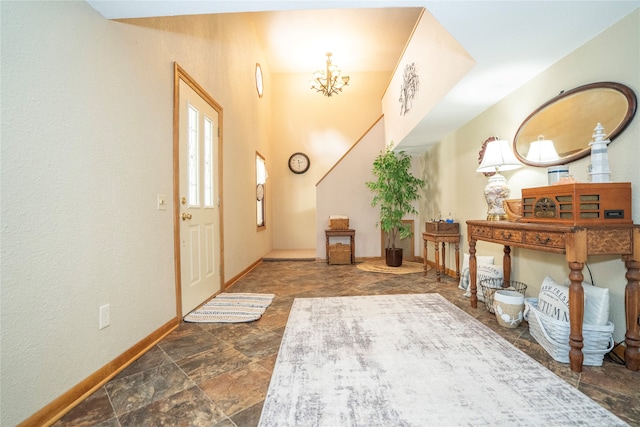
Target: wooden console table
[(439, 237), (576, 243), (341, 233)]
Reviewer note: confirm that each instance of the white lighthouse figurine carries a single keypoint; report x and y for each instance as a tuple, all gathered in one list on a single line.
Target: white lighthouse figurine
[(599, 158)]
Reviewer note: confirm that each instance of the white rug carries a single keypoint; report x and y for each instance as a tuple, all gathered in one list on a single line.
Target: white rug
[(411, 360), (231, 308)]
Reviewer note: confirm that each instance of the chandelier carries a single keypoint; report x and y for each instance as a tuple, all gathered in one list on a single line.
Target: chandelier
[(329, 81)]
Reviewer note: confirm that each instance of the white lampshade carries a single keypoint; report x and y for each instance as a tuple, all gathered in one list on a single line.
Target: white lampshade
[(498, 156), (542, 151)]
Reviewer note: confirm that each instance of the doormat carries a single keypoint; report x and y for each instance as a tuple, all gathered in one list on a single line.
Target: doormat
[(380, 266), (231, 308)]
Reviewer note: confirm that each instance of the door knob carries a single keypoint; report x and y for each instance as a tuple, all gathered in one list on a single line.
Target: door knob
[(186, 216)]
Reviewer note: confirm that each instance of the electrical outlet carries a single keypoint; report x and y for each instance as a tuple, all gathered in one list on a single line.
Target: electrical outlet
[(105, 316)]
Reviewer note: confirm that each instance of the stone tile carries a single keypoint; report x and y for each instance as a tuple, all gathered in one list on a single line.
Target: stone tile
[(282, 303), (187, 340), (237, 390), (113, 422), (233, 362), (259, 346), (94, 410), (188, 407), (151, 359), (141, 389), (268, 362), (273, 319), (203, 366), (231, 332), (625, 405), (249, 417), (227, 423)]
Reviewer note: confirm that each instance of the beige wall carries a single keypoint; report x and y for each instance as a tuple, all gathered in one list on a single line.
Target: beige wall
[(343, 192), (454, 186), (437, 57), (86, 146), (324, 128)]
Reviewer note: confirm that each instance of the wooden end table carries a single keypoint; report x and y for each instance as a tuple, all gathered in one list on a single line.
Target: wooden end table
[(341, 233), (437, 238), (576, 243)]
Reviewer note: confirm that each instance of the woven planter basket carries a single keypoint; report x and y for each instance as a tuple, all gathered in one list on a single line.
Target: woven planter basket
[(553, 336)]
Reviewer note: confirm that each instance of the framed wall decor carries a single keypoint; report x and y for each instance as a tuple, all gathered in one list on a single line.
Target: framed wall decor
[(259, 80)]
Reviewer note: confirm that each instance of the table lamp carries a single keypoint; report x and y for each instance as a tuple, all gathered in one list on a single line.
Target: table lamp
[(498, 156), (543, 151)]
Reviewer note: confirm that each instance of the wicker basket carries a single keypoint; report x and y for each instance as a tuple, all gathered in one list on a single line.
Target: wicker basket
[(340, 253), (488, 287), (553, 336), (338, 223)]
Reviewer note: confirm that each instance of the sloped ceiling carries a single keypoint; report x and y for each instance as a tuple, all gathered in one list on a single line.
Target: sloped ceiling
[(511, 41)]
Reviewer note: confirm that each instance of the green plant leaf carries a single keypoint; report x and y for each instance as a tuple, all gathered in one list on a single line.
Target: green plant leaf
[(394, 190)]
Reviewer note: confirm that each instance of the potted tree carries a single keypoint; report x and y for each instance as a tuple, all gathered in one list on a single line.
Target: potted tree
[(395, 188)]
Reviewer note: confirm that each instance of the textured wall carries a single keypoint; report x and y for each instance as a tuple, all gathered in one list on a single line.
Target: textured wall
[(324, 128), (343, 192), (433, 56), (449, 168), (86, 146)]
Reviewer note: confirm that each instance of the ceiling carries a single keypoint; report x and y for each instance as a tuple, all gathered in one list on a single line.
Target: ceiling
[(511, 40)]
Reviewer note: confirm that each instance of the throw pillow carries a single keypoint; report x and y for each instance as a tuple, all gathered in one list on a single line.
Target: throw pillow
[(485, 271), (464, 274), (596, 304), (553, 299)]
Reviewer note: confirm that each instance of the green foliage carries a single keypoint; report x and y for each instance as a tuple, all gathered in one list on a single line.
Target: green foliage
[(394, 190)]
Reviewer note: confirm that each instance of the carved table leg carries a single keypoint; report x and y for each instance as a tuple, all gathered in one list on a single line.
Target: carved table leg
[(353, 249), (457, 261), (576, 310), (437, 255), (327, 246), (632, 305), (506, 267), (473, 272), (426, 247), (444, 262)]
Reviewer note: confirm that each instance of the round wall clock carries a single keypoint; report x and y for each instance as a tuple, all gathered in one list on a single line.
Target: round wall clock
[(259, 81), (299, 163)]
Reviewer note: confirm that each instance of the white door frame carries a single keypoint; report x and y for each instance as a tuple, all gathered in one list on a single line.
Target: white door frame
[(181, 75)]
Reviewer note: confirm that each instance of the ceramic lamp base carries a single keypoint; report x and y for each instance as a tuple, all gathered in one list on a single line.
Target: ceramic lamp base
[(495, 193)]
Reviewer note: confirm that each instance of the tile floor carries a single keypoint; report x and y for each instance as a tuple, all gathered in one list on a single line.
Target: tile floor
[(218, 374)]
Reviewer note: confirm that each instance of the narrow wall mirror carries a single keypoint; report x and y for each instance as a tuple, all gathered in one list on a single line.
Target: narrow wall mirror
[(570, 118)]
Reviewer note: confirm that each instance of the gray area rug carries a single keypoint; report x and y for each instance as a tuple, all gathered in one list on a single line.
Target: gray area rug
[(411, 360)]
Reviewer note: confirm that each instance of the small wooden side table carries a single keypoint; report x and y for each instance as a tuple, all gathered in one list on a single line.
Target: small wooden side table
[(341, 233), (441, 237)]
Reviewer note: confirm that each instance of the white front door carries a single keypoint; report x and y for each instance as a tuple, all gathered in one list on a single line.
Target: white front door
[(199, 210)]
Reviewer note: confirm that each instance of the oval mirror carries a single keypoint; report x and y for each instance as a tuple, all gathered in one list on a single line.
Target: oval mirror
[(569, 120)]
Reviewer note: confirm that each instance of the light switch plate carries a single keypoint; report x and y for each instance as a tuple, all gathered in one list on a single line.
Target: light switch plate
[(162, 202), (105, 316)]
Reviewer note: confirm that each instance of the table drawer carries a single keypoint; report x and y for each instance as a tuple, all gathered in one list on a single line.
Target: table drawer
[(513, 236), (479, 231), (544, 239)]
